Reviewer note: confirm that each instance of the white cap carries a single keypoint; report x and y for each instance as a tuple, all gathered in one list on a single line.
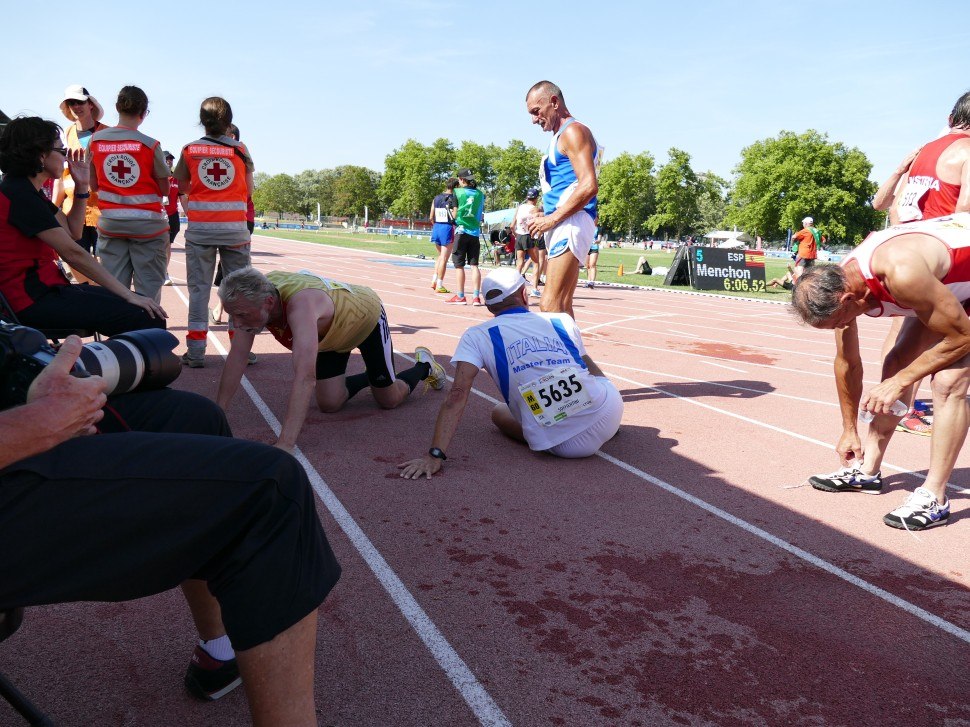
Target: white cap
[(77, 92), (500, 284), (808, 221)]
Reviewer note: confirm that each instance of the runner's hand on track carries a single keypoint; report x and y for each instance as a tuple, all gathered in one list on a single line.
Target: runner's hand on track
[(414, 468)]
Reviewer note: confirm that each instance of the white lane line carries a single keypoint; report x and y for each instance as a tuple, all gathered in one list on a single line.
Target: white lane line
[(457, 671), (810, 558), (616, 323), (890, 598), (772, 427), (722, 366)]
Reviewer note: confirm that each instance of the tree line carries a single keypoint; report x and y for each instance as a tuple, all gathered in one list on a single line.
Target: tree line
[(777, 182)]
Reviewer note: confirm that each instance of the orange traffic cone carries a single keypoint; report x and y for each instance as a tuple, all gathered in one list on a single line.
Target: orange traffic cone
[(619, 271)]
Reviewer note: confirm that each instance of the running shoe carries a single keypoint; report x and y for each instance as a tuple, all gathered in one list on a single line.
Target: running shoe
[(208, 678), (915, 423), (212, 317), (535, 293), (589, 285), (193, 362), (477, 301), (848, 479), (457, 300), (920, 511), (442, 289), (168, 281), (437, 378)]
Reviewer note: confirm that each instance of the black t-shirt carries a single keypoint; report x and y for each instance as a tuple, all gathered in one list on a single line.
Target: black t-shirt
[(30, 211)]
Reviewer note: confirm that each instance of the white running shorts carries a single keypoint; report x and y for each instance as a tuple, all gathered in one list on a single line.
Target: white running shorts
[(599, 432), (575, 234)]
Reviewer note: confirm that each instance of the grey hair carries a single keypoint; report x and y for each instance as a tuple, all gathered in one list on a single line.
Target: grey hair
[(817, 294), (547, 87), (246, 284)]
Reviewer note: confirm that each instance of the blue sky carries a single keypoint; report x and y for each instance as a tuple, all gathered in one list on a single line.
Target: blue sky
[(316, 85)]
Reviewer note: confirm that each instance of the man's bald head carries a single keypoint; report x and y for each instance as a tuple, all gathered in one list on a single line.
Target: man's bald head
[(546, 88), (817, 295)]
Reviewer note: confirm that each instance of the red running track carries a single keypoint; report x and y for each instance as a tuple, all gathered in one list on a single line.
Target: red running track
[(682, 577)]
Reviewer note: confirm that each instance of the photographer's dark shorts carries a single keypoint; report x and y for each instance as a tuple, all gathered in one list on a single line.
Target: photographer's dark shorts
[(466, 251), (524, 242), (805, 262), (177, 498), (377, 352)]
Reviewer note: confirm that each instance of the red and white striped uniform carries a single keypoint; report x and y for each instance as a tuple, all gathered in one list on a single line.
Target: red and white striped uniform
[(952, 231)]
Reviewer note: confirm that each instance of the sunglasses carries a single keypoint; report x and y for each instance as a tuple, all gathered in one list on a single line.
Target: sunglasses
[(73, 102), (62, 150)]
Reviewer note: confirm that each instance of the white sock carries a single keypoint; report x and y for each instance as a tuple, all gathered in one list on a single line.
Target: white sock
[(220, 648)]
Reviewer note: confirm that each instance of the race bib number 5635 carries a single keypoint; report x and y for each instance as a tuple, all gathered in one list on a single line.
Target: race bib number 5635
[(557, 395)]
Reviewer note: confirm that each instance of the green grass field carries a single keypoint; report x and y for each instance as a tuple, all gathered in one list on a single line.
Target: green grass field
[(607, 266)]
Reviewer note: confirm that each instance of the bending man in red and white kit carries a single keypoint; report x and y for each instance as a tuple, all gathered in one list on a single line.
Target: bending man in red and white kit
[(920, 271), (932, 181)]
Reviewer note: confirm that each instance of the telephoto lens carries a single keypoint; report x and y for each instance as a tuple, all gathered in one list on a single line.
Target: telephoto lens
[(133, 360)]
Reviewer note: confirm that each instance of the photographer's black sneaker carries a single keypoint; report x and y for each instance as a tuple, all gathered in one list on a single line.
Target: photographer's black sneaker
[(848, 479), (208, 678)]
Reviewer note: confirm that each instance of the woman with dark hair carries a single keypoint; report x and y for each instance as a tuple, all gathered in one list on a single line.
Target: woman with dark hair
[(33, 233), (216, 173), (131, 177)]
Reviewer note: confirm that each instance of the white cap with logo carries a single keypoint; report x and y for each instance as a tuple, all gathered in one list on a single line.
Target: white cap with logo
[(500, 284)]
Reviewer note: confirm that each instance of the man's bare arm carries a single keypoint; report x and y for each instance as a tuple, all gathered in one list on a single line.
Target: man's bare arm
[(236, 362), (302, 315), (848, 385), (449, 416)]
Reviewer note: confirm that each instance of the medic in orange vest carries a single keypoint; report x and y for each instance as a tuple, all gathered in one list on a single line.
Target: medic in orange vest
[(216, 172)]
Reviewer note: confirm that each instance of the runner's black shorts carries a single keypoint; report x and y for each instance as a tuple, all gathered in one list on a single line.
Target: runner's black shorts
[(466, 251), (376, 350), (524, 242)]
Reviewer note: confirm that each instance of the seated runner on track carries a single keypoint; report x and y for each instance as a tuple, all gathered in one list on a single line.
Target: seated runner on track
[(557, 400)]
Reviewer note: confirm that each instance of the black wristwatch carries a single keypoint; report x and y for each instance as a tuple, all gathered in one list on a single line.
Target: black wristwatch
[(437, 453)]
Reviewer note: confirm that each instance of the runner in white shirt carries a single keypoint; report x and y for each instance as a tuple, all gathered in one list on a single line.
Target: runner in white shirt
[(557, 400)]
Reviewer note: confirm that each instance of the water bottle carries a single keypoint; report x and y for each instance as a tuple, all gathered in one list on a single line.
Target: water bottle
[(897, 409)]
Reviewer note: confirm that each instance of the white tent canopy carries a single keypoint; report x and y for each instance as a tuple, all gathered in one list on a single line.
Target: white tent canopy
[(499, 217), (729, 238)]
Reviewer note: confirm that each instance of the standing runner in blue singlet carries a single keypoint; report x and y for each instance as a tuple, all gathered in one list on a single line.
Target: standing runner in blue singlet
[(569, 187), (443, 232)]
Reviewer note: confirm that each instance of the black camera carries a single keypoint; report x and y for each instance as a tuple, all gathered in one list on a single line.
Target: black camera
[(129, 361)]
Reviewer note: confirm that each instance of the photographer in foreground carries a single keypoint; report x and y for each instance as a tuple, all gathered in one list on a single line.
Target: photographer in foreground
[(34, 233), (240, 534)]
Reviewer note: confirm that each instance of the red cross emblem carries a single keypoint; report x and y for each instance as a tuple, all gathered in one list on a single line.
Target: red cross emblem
[(121, 170), (217, 172)]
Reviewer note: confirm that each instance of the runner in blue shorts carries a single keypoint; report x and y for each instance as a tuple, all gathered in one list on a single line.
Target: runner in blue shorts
[(443, 232)]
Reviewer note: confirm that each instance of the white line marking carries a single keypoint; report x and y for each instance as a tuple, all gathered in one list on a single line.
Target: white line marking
[(457, 671), (772, 427), (722, 366), (812, 559), (892, 599)]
